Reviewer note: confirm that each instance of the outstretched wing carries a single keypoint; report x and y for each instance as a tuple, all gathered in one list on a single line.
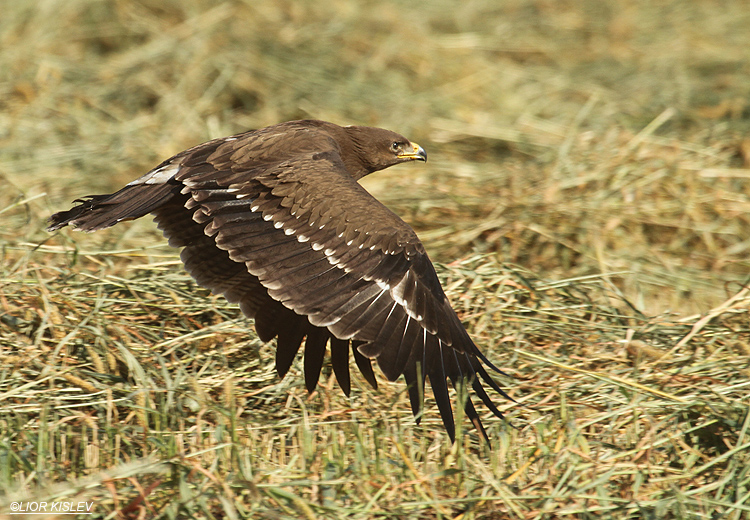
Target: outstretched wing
[(321, 245), (274, 221)]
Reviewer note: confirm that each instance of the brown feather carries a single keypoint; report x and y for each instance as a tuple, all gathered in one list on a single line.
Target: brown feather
[(315, 349), (340, 363)]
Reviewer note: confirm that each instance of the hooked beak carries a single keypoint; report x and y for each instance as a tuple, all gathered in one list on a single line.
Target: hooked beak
[(417, 154)]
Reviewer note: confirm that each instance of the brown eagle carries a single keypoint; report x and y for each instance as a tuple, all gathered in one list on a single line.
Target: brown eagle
[(275, 220)]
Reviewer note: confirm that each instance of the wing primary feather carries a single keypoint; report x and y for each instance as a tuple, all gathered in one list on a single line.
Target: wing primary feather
[(358, 304), (473, 416), (476, 384), (374, 348), (482, 372), (415, 386), (482, 394), (414, 374), (355, 320), (340, 362), (442, 399), (408, 343), (364, 364), (460, 383), (287, 344), (315, 349), (391, 344), (489, 363)]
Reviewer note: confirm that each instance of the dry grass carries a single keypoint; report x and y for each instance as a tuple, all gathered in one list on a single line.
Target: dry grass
[(603, 146)]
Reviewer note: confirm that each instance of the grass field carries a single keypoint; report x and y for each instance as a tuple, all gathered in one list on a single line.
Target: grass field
[(586, 201)]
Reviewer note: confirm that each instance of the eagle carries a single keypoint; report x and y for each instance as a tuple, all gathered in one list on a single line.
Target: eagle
[(275, 220)]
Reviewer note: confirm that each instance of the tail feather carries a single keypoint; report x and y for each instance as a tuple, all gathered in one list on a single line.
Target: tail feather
[(102, 211)]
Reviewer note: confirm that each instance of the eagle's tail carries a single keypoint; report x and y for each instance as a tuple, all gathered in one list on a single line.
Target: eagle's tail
[(102, 211)]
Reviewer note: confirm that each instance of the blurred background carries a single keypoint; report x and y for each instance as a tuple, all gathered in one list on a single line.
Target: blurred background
[(570, 138), (586, 198)]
